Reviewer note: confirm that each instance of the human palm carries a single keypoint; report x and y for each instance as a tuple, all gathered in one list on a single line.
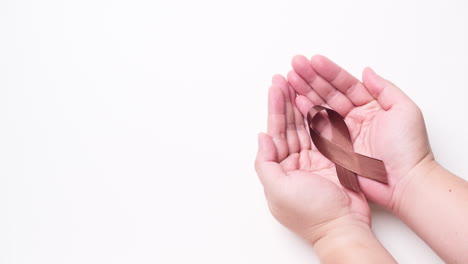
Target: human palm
[(384, 123), (301, 185), (312, 186)]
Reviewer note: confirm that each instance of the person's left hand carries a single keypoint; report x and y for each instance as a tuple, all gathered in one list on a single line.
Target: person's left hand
[(300, 184)]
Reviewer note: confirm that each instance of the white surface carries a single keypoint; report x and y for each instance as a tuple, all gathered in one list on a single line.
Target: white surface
[(128, 128)]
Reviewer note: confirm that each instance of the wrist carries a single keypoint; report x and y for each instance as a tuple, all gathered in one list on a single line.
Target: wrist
[(341, 232), (350, 242), (340, 227), (413, 179)]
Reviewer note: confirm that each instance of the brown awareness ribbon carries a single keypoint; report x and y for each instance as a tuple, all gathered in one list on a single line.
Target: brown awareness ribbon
[(339, 150)]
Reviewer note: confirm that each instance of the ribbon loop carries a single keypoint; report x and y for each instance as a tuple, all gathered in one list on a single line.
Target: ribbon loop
[(340, 151)]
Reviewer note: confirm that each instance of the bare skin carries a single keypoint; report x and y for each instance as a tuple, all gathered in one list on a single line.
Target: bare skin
[(389, 126), (299, 183), (384, 122), (301, 186)]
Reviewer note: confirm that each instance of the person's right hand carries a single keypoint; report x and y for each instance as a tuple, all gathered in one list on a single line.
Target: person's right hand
[(383, 121)]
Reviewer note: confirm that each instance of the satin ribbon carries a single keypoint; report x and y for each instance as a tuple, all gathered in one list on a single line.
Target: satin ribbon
[(339, 150)]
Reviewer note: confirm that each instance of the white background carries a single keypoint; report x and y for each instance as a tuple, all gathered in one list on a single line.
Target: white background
[(128, 128)]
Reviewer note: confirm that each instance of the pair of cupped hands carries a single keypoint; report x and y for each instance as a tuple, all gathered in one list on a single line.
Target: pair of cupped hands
[(300, 184)]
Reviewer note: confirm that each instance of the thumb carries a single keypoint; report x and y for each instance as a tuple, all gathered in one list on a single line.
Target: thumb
[(385, 92), (268, 169)]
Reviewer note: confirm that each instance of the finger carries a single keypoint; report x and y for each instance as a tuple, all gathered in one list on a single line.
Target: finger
[(303, 104), (385, 92), (291, 133), (333, 97), (341, 80), (374, 190), (301, 87), (266, 164), (320, 124), (276, 125), (301, 127)]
